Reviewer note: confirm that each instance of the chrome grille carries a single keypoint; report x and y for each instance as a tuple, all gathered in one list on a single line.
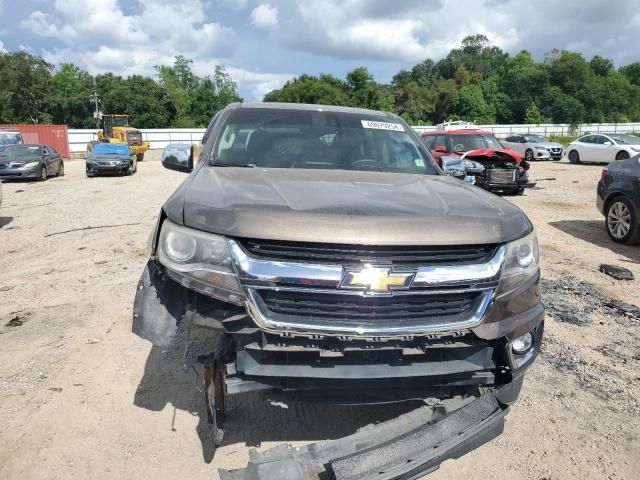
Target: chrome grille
[(310, 298), (351, 254)]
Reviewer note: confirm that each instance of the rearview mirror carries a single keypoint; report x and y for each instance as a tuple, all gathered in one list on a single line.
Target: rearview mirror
[(441, 149), (454, 166), (178, 157)]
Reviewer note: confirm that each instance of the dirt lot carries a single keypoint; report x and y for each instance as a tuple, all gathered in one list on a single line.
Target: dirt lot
[(82, 397)]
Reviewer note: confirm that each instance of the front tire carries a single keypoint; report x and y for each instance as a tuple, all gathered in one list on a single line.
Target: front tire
[(528, 155), (621, 221), (43, 174), (622, 155), (60, 170), (574, 157)]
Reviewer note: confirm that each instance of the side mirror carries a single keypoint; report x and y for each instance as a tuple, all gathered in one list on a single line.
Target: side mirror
[(454, 166), (441, 149), (178, 157), (607, 143)]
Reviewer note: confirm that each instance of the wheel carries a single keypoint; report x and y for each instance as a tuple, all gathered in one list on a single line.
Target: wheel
[(139, 157), (43, 173), (528, 155), (129, 171), (574, 157), (60, 170), (622, 155), (621, 221)]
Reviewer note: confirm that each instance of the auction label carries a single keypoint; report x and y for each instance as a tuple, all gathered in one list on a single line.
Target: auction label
[(396, 127)]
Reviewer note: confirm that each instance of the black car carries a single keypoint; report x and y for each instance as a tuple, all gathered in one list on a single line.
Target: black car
[(619, 199), (31, 161), (111, 159)]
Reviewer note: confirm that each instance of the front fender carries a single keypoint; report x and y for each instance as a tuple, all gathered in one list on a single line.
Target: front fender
[(158, 308)]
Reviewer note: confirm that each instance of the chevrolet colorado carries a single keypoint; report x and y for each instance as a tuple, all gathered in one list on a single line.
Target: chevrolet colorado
[(336, 260)]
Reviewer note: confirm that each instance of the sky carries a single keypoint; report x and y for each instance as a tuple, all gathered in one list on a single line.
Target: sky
[(264, 43)]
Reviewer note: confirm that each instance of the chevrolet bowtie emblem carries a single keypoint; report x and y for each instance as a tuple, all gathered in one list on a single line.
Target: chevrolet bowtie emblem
[(376, 280)]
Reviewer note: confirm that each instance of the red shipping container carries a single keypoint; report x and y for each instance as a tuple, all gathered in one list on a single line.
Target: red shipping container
[(55, 135)]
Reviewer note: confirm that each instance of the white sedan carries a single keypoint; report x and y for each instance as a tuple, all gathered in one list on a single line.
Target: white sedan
[(603, 148)]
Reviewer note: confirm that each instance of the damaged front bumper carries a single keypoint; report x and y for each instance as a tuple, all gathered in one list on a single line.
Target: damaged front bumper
[(407, 447)]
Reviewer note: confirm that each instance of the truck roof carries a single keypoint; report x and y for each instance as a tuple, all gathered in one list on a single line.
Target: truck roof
[(309, 106)]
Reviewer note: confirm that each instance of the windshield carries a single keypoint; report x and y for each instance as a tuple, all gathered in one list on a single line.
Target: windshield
[(626, 139), (120, 121), (535, 138), (314, 139), (110, 149), (21, 151), (468, 142)]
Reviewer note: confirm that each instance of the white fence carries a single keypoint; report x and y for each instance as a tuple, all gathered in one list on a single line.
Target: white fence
[(547, 129), (159, 137), (162, 137)]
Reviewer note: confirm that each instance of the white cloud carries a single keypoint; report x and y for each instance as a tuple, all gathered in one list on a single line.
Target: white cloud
[(265, 16)]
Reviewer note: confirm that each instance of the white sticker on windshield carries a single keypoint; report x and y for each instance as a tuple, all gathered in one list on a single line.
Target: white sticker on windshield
[(396, 127), (419, 162)]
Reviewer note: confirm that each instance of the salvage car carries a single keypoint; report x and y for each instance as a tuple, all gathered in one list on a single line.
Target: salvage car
[(534, 147), (337, 262), (603, 148), (111, 159), (619, 200), (494, 167), (37, 162)]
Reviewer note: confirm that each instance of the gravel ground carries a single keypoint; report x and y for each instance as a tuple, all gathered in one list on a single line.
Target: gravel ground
[(82, 397)]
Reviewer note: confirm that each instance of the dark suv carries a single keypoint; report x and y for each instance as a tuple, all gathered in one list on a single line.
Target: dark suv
[(336, 261)]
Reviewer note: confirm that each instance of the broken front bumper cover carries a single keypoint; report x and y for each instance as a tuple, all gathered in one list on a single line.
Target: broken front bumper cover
[(407, 447)]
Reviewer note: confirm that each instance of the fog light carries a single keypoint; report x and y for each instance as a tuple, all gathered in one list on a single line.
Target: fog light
[(522, 344)]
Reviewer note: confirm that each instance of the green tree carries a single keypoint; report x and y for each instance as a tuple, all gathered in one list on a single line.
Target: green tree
[(69, 97), (534, 115), (23, 87)]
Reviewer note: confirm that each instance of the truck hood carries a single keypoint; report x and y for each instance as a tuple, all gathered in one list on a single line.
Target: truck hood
[(338, 206)]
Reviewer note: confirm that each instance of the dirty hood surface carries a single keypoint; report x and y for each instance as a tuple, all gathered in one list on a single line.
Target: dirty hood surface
[(338, 206)]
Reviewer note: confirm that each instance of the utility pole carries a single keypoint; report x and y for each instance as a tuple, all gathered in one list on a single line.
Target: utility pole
[(96, 113)]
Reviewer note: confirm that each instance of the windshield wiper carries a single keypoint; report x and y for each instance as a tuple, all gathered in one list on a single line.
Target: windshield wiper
[(224, 164)]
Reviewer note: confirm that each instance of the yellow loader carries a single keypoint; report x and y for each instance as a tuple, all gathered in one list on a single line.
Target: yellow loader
[(116, 129)]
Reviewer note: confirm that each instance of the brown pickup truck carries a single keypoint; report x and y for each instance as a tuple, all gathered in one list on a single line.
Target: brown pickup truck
[(336, 260)]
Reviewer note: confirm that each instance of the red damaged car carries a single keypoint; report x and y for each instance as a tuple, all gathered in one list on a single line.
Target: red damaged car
[(491, 165)]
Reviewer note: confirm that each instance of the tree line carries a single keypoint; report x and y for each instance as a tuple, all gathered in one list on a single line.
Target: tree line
[(33, 91), (477, 81)]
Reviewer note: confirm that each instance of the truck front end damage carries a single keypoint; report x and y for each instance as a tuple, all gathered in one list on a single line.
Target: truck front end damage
[(455, 326)]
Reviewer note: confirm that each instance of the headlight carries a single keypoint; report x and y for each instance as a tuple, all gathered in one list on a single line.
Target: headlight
[(199, 261), (30, 165), (474, 166), (520, 263)]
